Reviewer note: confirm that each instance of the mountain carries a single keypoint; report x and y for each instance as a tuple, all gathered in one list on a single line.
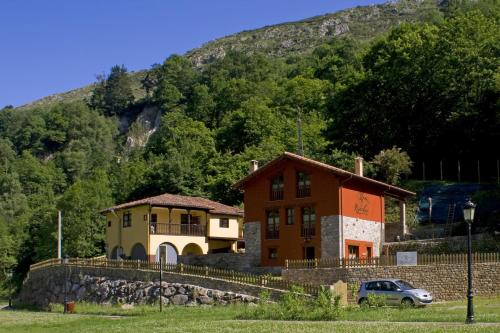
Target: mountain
[(286, 39)]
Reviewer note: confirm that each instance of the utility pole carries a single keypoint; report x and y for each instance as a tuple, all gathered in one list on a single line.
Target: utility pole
[(161, 280), (59, 235)]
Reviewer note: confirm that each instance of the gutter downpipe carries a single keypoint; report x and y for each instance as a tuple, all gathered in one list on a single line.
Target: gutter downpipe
[(341, 229)]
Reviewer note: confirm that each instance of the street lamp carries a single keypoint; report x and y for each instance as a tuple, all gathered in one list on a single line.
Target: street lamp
[(65, 262), (469, 209)]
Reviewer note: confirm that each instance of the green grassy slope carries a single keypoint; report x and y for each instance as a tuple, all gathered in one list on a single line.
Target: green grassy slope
[(282, 40)]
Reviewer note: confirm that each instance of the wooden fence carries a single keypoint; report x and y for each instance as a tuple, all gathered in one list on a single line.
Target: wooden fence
[(199, 271), (422, 259)]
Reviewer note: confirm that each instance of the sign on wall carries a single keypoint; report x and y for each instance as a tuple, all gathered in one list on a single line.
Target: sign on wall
[(406, 258)]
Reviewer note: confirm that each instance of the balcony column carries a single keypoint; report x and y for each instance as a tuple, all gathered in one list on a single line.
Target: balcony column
[(402, 217), (189, 221)]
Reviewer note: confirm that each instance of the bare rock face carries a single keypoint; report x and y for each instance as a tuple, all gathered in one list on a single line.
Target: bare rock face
[(333, 27), (145, 125)]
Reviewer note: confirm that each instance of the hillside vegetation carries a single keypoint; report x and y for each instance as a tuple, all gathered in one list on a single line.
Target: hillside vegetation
[(293, 38), (419, 89)]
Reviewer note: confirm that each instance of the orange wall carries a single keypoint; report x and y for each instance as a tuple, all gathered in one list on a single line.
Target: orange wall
[(324, 198), (360, 203), (363, 252)]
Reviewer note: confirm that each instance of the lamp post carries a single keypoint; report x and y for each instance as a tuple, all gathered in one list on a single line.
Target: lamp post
[(469, 209), (65, 262)]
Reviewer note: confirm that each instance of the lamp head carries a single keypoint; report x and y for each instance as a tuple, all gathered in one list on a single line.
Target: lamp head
[(469, 210)]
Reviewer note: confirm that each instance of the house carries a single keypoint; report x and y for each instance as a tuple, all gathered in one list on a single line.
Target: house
[(299, 208), (168, 225)]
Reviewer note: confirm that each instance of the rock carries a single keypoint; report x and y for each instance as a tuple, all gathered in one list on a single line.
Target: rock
[(181, 290), (80, 293), (206, 300), (127, 306), (179, 299)]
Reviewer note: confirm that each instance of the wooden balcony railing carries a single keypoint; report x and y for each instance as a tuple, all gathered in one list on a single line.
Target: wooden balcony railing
[(272, 234), (178, 229), (303, 191), (277, 195), (307, 231)]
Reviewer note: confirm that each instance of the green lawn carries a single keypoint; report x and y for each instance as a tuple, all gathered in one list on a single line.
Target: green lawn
[(92, 318)]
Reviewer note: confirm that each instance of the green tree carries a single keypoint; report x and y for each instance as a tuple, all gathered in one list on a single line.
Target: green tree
[(113, 94), (391, 164)]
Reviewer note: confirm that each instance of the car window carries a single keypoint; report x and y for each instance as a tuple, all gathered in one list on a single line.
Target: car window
[(376, 285), (404, 285)]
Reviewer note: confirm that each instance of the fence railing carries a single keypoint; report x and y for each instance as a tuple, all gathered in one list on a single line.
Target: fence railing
[(200, 271), (422, 259), (177, 229)]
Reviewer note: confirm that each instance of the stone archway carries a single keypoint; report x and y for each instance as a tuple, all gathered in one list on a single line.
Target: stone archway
[(192, 248), (138, 252)]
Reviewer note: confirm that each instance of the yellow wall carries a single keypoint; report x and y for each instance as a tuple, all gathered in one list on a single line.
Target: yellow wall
[(179, 242), (127, 237), (215, 231), (136, 233)]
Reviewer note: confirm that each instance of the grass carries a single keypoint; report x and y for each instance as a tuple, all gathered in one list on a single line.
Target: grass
[(446, 317)]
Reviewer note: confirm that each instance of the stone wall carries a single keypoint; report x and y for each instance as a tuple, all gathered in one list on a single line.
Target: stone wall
[(330, 237), (252, 241), (445, 282), (393, 230), (48, 285), (241, 262)]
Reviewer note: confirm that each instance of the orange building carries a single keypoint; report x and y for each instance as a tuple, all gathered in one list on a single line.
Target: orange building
[(299, 208)]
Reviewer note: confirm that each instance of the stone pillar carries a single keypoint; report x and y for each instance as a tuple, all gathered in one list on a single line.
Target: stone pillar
[(402, 218), (252, 242), (330, 236)]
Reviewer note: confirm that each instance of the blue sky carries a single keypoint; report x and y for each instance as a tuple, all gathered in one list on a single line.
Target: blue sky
[(52, 46)]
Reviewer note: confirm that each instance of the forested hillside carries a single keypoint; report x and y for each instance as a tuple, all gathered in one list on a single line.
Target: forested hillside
[(419, 89)]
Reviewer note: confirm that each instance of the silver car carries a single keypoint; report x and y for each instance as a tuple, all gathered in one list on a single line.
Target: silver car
[(397, 292)]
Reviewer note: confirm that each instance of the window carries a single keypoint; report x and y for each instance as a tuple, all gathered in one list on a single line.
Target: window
[(154, 218), (290, 216), (369, 252), (277, 188), (127, 219), (272, 253), (303, 185), (308, 222), (186, 218), (373, 285), (273, 224), (109, 224), (224, 222), (353, 251)]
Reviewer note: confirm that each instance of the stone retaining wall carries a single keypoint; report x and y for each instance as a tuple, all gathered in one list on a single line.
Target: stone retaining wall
[(445, 282), (103, 285), (240, 262)]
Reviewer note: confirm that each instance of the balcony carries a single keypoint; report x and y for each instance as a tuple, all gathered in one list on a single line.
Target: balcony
[(272, 234), (303, 191), (307, 231), (178, 229), (277, 195)]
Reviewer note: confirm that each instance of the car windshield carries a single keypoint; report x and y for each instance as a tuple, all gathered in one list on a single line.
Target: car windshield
[(404, 285)]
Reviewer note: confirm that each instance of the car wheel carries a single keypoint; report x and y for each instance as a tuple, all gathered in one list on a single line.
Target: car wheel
[(407, 302), (363, 302)]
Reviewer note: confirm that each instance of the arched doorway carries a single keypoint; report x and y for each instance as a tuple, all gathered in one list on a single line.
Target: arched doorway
[(116, 253), (192, 248), (138, 252), (167, 252)]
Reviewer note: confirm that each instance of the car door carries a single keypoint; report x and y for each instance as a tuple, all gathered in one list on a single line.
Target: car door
[(390, 290)]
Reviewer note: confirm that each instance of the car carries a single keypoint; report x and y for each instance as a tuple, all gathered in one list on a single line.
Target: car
[(397, 292)]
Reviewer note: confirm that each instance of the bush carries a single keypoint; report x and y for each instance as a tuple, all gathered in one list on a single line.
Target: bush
[(295, 305)]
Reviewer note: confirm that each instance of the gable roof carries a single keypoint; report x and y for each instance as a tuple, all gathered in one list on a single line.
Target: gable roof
[(181, 201), (390, 190)]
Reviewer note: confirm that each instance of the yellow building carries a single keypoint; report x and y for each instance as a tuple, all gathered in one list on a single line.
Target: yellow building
[(167, 225)]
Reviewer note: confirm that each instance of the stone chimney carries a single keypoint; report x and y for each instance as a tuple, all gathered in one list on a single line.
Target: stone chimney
[(358, 166), (254, 165)]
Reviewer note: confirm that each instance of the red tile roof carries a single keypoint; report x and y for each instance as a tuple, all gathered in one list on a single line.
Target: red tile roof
[(180, 201), (389, 190)]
